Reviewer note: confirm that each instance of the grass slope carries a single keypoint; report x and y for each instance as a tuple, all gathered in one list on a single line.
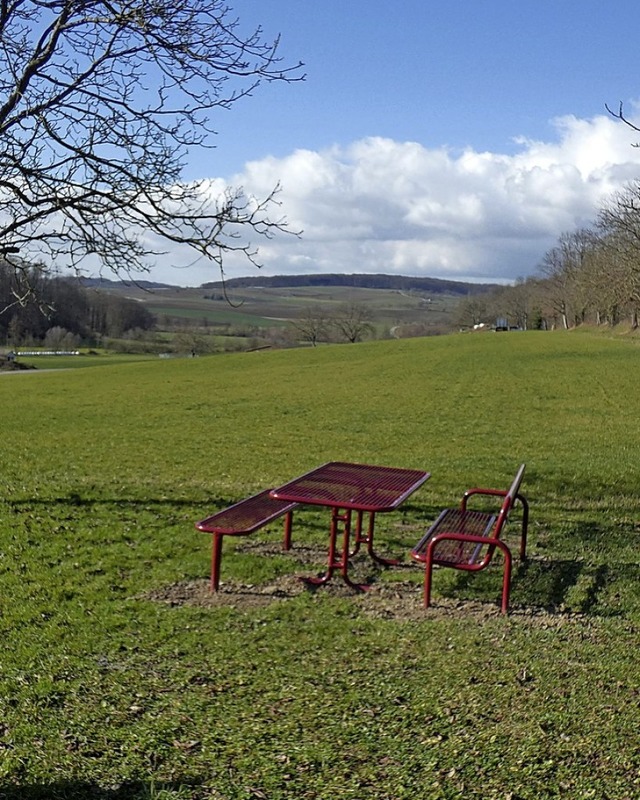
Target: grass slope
[(105, 693)]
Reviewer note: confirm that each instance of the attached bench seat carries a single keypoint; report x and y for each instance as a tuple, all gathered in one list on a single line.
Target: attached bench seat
[(466, 540), (243, 518)]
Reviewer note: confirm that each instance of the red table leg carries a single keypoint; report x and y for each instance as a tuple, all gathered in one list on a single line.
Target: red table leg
[(331, 561), (339, 561), (367, 539), (387, 562)]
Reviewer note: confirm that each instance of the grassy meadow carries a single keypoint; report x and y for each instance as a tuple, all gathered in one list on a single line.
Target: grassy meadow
[(110, 689)]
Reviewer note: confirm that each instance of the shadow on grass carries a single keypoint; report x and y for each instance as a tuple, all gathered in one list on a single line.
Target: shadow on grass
[(552, 585), (85, 790), (547, 583), (211, 505), (72, 499)]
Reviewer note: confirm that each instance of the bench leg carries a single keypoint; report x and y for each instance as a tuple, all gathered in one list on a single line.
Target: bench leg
[(428, 571), (506, 583), (506, 578), (525, 526), (216, 556), (288, 522)]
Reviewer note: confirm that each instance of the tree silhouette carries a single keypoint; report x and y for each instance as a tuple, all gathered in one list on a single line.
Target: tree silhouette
[(100, 105)]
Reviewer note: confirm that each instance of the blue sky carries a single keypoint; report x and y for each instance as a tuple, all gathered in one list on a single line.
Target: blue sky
[(454, 139), (459, 73)]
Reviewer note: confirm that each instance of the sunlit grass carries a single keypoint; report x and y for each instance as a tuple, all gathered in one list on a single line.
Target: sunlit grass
[(105, 471), (85, 359)]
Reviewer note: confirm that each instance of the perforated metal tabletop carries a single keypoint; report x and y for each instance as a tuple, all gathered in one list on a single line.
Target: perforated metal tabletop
[(359, 487)]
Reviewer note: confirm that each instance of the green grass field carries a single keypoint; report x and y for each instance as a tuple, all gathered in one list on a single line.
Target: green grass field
[(102, 359), (108, 693)]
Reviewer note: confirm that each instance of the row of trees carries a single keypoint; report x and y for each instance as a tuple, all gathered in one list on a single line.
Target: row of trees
[(350, 322), (63, 305), (403, 283), (590, 275)]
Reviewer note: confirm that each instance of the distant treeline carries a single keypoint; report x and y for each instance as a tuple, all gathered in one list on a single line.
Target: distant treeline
[(61, 309), (397, 282)]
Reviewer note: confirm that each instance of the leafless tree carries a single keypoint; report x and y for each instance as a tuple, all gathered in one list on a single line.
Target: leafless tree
[(513, 303), (605, 281), (472, 310), (101, 102), (619, 222), (564, 268), (313, 325), (353, 321)]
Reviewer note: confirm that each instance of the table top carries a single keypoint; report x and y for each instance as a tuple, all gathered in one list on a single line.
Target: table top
[(360, 487)]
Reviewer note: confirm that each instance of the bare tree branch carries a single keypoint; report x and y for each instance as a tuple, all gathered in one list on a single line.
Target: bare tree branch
[(101, 102), (619, 114)]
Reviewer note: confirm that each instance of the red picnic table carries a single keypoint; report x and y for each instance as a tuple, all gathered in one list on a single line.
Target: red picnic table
[(344, 488)]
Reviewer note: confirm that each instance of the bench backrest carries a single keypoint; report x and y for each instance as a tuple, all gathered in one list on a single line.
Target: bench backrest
[(509, 500), (507, 505)]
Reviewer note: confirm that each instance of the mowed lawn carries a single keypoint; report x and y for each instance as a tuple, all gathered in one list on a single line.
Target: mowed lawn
[(108, 693)]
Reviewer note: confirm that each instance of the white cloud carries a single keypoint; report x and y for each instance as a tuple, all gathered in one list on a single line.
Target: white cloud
[(398, 207)]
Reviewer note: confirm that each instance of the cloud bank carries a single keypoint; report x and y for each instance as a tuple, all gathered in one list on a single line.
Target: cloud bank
[(382, 206)]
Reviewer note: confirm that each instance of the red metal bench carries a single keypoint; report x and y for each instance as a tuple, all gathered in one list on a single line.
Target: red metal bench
[(243, 518), (466, 540)]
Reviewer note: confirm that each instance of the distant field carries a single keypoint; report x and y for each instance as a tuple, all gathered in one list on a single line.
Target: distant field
[(122, 679), (269, 307), (220, 315)]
